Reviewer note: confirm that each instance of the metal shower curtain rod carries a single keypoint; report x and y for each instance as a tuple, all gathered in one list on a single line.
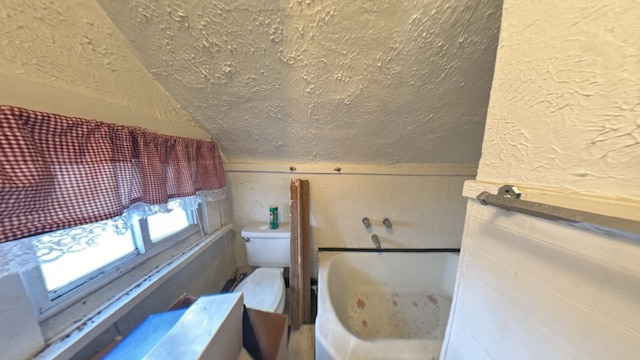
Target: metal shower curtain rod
[(508, 198)]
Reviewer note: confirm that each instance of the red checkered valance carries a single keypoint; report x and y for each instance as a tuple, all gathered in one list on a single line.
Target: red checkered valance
[(58, 172)]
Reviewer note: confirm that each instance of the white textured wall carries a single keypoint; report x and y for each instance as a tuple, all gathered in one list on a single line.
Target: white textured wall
[(310, 81), (565, 99), (68, 57), (563, 119), (426, 211), (21, 337)]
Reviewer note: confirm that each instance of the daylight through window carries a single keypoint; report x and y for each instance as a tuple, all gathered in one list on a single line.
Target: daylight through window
[(72, 257)]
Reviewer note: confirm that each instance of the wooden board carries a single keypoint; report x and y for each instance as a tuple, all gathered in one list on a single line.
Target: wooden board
[(299, 280)]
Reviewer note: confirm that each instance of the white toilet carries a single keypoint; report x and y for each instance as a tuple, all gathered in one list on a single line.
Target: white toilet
[(264, 289)]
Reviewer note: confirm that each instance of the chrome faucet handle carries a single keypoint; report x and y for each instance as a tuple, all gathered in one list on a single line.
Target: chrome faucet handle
[(366, 222), (387, 223)]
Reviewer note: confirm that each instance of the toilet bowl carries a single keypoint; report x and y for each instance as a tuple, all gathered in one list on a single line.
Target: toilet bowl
[(269, 249)]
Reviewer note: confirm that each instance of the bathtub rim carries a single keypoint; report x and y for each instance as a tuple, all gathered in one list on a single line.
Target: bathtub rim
[(327, 322)]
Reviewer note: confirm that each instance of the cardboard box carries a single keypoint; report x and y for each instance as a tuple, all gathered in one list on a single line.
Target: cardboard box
[(214, 327), (211, 328), (264, 335)]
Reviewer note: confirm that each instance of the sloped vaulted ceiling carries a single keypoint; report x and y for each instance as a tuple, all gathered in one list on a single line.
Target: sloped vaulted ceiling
[(363, 81)]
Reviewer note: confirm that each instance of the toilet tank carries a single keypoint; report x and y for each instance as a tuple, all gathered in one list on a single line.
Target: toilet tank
[(266, 247)]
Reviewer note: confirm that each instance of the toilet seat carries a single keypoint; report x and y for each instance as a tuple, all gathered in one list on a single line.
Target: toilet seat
[(264, 290)]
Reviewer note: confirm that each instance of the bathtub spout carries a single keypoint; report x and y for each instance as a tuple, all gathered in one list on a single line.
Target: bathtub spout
[(376, 241)]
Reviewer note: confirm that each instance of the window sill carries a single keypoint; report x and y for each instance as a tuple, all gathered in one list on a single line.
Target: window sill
[(103, 317)]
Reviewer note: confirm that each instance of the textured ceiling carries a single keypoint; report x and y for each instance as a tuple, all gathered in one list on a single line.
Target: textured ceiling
[(379, 82)]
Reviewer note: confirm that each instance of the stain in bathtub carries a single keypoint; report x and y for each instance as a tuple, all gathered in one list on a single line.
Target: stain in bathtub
[(374, 313), (432, 299)]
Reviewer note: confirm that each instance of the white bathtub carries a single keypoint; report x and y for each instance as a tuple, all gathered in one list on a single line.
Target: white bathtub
[(377, 305)]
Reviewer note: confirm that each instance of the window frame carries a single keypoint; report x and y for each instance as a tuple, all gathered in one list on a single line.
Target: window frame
[(145, 233), (57, 301), (89, 277)]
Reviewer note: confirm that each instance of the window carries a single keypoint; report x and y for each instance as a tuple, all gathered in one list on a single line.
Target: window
[(72, 257), (88, 267), (69, 255), (162, 225)]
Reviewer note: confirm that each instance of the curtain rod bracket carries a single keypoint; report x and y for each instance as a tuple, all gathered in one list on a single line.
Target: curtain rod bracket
[(509, 191)]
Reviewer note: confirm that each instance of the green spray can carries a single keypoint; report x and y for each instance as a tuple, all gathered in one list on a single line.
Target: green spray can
[(273, 217)]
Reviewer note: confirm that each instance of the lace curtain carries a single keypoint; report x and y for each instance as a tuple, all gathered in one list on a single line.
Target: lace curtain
[(53, 245), (58, 172)]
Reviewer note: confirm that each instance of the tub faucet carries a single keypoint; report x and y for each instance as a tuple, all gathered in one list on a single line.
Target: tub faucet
[(376, 241)]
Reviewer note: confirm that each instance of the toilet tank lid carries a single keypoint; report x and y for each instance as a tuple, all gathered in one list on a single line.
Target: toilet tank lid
[(259, 229)]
